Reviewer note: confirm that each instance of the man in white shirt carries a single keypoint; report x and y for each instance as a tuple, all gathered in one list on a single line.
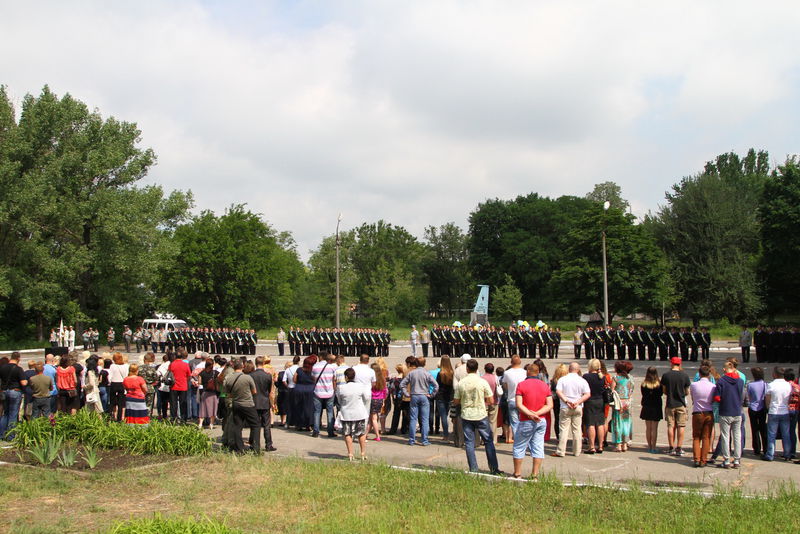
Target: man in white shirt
[(777, 398), (513, 376), (364, 373), (572, 391), (413, 339)]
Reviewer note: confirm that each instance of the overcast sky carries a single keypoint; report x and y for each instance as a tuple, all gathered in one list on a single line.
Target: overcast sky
[(415, 112)]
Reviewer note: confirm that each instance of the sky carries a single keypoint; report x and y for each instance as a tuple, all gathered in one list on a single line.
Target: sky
[(415, 112)]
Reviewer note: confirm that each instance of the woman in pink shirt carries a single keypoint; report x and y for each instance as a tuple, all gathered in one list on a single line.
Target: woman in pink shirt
[(379, 393)]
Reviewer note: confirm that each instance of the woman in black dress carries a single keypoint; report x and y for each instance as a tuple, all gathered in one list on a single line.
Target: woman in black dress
[(652, 402), (593, 411), (283, 397), (303, 395)]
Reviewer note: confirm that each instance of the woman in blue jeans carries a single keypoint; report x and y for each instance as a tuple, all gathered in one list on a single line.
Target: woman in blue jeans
[(445, 396)]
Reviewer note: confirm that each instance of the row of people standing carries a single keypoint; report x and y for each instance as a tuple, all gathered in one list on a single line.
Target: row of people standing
[(240, 341), (636, 342), (347, 342), (488, 341), (772, 344)]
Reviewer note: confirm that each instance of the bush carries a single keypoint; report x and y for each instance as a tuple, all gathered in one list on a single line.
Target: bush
[(162, 525), (88, 429)]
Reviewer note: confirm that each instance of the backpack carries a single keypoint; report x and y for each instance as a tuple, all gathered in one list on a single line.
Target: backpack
[(211, 383)]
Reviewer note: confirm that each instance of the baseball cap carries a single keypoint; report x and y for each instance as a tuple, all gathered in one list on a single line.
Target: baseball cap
[(465, 357), (675, 360)]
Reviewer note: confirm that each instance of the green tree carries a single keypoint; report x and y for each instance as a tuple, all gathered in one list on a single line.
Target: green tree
[(636, 267), (382, 255), (507, 300), (447, 269), (525, 238), (234, 270), (79, 239), (710, 232), (779, 214), (609, 192), (320, 294)]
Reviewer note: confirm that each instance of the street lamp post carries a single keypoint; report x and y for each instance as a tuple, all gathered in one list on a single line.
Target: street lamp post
[(606, 205), (338, 307)]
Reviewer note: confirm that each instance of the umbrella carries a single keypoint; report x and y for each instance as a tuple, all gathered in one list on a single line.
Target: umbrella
[(520, 322), (540, 324), (477, 326), (458, 323)]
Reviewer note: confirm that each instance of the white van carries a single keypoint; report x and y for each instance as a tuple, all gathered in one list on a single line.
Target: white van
[(166, 324)]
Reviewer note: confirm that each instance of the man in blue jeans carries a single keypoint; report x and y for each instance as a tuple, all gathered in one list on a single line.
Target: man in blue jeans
[(534, 399), (472, 394), (777, 399), (422, 387), (324, 374), (12, 380)]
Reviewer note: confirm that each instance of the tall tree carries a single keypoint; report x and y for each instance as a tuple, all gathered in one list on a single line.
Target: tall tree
[(320, 295), (446, 268), (609, 192), (79, 239), (385, 255), (234, 270), (525, 238), (710, 232), (780, 218), (636, 266)]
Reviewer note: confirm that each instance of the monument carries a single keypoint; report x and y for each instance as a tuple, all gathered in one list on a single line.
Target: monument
[(480, 315)]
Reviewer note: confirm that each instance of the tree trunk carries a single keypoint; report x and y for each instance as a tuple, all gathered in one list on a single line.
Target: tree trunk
[(39, 327)]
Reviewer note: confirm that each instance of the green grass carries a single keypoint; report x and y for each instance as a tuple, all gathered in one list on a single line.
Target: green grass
[(251, 494), (171, 525)]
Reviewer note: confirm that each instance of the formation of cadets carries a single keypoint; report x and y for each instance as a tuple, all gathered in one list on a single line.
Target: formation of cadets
[(210, 340), (347, 342), (487, 341), (777, 344), (638, 343)]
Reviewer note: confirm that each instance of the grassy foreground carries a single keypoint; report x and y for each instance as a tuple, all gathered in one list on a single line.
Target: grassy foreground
[(292, 495)]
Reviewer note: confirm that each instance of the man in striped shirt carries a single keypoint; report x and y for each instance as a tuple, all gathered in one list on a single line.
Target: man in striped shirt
[(323, 373)]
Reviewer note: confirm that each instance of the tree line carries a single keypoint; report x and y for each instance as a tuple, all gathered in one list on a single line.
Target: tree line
[(81, 239)]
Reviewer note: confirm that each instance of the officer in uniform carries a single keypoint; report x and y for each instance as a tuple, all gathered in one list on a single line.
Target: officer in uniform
[(663, 344), (683, 345), (705, 347), (588, 342), (640, 340)]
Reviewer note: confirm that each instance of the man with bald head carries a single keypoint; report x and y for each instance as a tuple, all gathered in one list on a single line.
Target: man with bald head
[(573, 391)]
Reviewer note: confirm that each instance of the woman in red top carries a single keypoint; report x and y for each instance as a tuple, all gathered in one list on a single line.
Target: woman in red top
[(68, 399), (136, 412)]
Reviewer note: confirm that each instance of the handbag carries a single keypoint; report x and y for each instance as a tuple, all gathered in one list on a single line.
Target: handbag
[(337, 423), (608, 396)]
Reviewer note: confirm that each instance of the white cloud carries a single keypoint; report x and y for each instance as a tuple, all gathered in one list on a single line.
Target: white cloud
[(414, 112)]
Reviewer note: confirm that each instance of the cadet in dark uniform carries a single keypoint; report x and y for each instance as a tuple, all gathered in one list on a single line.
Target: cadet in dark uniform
[(705, 347), (683, 344), (663, 344)]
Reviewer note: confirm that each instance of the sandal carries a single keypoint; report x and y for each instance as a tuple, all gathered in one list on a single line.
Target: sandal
[(590, 451)]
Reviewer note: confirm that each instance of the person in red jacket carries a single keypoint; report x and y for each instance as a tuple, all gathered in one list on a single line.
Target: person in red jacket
[(179, 389)]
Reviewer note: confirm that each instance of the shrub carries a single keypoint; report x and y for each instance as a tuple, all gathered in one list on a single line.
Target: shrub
[(88, 429)]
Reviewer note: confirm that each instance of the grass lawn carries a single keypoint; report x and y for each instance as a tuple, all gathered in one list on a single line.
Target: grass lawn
[(251, 494)]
